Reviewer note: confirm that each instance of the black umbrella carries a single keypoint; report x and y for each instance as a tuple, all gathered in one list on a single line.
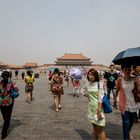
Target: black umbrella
[(129, 56)]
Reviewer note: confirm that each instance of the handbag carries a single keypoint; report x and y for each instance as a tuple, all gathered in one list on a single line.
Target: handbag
[(106, 104), (15, 94)]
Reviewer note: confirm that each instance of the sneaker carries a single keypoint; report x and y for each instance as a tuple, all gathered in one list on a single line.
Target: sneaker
[(73, 95)]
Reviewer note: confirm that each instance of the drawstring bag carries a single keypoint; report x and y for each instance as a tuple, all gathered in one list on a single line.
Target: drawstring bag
[(14, 90), (15, 94)]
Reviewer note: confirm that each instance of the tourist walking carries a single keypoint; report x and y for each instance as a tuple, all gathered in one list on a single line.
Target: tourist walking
[(23, 75), (57, 88), (94, 91), (10, 74), (6, 101), (49, 76), (66, 77), (76, 87), (16, 74), (127, 105), (29, 79), (111, 78)]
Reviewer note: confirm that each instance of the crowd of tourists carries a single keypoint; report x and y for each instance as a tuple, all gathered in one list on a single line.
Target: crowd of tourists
[(121, 86)]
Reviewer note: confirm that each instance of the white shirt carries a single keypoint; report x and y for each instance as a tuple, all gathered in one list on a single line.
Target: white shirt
[(131, 105)]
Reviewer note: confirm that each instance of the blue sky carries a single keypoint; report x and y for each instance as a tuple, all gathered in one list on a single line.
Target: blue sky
[(42, 30)]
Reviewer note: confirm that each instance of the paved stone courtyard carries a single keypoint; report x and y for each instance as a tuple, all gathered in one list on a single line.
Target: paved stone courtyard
[(39, 121)]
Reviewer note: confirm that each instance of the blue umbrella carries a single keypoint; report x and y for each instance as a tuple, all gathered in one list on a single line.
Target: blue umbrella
[(76, 73), (129, 56)]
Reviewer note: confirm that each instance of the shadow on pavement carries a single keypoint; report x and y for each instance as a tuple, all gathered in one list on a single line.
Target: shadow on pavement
[(113, 131), (14, 123), (52, 107), (70, 94), (84, 135)]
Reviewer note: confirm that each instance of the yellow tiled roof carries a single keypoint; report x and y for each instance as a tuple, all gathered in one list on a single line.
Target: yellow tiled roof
[(30, 64), (73, 56)]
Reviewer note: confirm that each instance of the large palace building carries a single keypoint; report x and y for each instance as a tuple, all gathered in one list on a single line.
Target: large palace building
[(73, 60)]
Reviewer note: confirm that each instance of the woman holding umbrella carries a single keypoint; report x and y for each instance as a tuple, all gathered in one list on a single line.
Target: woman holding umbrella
[(124, 87), (127, 104)]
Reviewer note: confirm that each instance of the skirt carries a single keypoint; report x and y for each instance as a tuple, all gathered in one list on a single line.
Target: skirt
[(29, 88)]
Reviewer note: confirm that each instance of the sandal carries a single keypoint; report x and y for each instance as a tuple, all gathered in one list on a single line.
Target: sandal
[(115, 106), (59, 107)]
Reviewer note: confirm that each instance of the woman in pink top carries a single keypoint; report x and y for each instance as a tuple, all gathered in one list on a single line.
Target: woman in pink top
[(127, 104)]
